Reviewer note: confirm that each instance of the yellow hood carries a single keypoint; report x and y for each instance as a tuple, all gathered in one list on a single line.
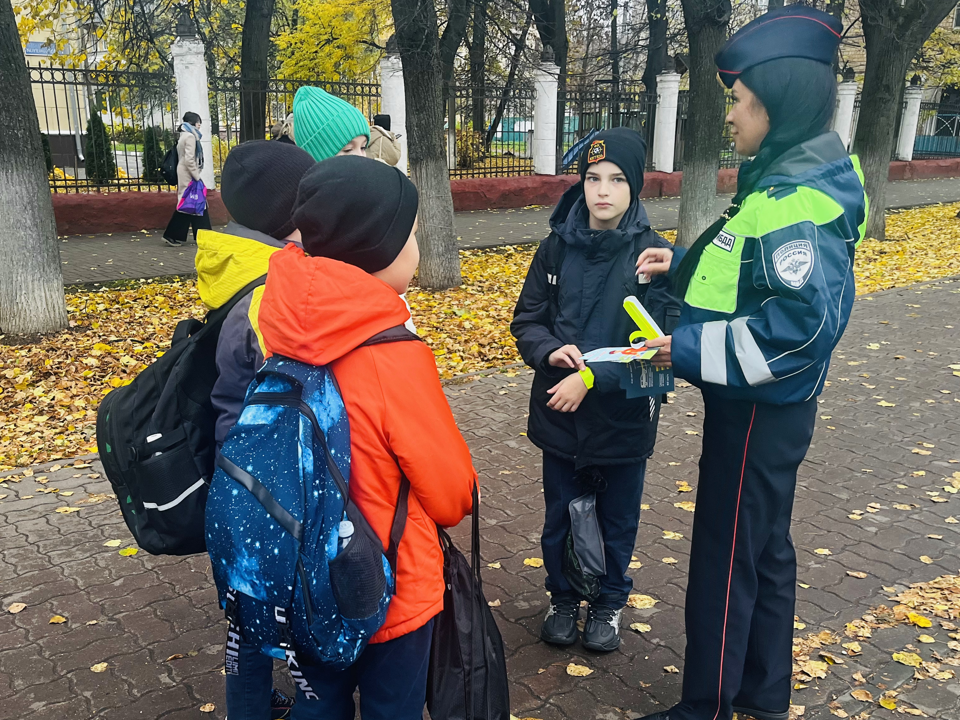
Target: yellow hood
[(226, 263)]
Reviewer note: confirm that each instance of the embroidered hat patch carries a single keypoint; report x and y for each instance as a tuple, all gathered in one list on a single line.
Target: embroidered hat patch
[(598, 151)]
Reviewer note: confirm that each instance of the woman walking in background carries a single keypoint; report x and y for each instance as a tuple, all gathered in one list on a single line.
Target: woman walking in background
[(189, 165)]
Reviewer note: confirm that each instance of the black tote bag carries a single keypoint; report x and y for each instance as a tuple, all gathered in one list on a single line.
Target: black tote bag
[(468, 673)]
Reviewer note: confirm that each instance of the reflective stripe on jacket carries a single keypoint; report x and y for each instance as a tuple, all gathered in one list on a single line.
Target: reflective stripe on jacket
[(772, 294)]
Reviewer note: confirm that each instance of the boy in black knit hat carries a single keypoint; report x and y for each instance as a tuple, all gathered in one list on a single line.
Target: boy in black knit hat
[(258, 185), (593, 436)]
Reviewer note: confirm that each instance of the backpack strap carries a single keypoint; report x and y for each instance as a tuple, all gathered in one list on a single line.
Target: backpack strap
[(398, 333), (217, 316), (556, 251), (399, 523)]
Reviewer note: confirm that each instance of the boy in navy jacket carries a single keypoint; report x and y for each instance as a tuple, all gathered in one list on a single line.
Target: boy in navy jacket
[(593, 437)]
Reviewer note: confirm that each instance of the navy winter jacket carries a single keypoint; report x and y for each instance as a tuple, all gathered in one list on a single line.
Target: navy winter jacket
[(597, 271)]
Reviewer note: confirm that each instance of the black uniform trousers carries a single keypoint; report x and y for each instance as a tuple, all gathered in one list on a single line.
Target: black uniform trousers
[(741, 591)]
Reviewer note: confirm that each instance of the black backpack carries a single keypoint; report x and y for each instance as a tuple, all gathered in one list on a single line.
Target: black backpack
[(168, 168), (156, 438)]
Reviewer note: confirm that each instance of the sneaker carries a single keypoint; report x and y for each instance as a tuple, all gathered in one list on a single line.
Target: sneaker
[(280, 705), (761, 714), (173, 243), (602, 630), (560, 623)]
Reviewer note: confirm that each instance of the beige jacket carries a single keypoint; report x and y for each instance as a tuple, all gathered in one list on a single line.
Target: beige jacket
[(187, 167), (383, 146)]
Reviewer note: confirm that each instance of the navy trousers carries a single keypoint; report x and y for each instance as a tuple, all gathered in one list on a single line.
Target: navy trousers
[(743, 568), (618, 510), (391, 676)]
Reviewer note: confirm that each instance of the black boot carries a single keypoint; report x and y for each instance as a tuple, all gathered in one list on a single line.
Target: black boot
[(761, 714), (602, 630), (663, 715), (560, 623)]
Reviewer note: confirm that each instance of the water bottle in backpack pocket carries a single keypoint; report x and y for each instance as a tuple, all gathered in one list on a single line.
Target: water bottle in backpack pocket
[(298, 568)]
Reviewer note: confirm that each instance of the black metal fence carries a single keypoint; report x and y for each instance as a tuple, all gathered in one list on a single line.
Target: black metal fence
[(489, 131), (938, 131), (104, 130), (599, 107), (729, 157), (276, 96)]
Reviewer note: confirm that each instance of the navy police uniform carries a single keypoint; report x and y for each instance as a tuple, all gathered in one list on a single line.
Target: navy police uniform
[(766, 305)]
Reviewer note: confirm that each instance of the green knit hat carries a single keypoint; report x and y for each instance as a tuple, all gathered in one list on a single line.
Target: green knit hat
[(324, 124)]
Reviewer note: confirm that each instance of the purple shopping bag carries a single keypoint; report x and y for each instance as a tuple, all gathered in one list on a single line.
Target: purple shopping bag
[(194, 200)]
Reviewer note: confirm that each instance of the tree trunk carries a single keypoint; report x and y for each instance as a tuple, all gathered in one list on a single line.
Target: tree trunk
[(706, 22), (657, 45), (416, 26), (518, 48), (254, 75), (882, 86), (31, 283), (893, 34), (478, 67)]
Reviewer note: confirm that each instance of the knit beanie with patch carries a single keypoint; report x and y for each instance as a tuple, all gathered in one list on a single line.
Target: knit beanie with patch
[(622, 146), (324, 123), (259, 184), (356, 210)]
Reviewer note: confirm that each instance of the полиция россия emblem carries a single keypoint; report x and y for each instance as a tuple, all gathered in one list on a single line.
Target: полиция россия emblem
[(794, 263)]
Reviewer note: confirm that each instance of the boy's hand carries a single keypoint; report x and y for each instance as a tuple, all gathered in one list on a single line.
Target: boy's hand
[(654, 261), (567, 357), (662, 358), (567, 394)]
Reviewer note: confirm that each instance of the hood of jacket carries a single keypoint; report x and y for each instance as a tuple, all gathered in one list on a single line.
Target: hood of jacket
[(822, 163), (316, 310), (227, 261), (570, 220)]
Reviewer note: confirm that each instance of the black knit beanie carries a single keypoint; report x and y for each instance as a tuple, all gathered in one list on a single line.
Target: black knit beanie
[(622, 146), (259, 183), (355, 210)]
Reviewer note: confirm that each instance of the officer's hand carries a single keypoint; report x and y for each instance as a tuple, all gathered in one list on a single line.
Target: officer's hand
[(567, 357), (567, 394), (654, 261), (662, 358)]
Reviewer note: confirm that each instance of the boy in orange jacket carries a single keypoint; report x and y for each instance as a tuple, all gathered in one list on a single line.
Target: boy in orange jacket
[(320, 304)]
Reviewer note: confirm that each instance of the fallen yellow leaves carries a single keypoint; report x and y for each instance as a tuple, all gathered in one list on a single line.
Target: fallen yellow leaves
[(99, 667), (208, 708), (908, 658), (112, 543), (641, 602), (671, 535), (57, 620), (672, 669), (578, 670), (640, 627), (534, 562), (16, 607), (919, 620), (686, 505), (128, 552)]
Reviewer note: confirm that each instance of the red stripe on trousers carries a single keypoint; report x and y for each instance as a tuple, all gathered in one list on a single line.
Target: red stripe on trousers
[(736, 519)]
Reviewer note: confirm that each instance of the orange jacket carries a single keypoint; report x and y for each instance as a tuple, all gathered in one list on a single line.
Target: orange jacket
[(319, 311)]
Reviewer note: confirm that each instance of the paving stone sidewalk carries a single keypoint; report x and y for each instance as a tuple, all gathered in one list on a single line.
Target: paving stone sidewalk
[(125, 256), (154, 621)]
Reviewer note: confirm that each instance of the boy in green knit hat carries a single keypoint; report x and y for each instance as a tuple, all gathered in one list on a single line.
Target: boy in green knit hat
[(324, 125)]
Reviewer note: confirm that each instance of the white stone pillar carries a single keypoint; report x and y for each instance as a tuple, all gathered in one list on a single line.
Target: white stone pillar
[(545, 81), (665, 130), (393, 101), (843, 118), (913, 97), (193, 95)]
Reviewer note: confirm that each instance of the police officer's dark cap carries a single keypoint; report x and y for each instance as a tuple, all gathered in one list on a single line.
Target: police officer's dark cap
[(792, 31)]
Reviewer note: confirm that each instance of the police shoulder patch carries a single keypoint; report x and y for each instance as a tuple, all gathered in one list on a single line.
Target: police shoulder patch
[(597, 152), (793, 262)]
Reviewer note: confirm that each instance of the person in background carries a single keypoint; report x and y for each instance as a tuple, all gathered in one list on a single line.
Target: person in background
[(768, 291), (384, 145), (284, 130), (327, 126), (189, 165)]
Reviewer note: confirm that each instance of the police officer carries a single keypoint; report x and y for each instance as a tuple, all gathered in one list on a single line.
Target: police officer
[(767, 292)]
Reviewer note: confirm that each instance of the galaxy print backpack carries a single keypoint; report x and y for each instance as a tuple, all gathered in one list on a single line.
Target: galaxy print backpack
[(298, 569)]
